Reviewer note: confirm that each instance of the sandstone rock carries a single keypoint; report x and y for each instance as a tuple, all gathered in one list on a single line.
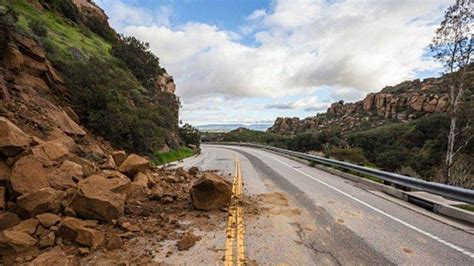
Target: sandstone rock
[(114, 241), (48, 219), (13, 241), (66, 176), (88, 168), (83, 251), (54, 149), (64, 122), (89, 237), (109, 163), (96, 200), (211, 192), (40, 201), (70, 112), (368, 102), (188, 241), (416, 102), (29, 174), (430, 106), (47, 240), (70, 226), (53, 75), (54, 257), (134, 164), (12, 139), (30, 47), (119, 157), (8, 219), (141, 179), (27, 226)]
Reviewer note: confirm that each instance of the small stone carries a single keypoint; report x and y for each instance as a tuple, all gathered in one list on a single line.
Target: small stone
[(83, 251), (47, 240), (48, 219), (188, 241), (114, 242)]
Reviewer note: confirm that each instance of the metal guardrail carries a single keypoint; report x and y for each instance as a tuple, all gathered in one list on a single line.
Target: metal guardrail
[(455, 193)]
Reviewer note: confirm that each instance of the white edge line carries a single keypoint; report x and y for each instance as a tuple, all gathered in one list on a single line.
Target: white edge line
[(444, 242)]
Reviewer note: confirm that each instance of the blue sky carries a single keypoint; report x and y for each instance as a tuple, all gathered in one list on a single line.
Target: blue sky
[(251, 61)]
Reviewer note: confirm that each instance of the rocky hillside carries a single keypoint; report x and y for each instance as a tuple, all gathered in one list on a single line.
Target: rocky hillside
[(404, 102)]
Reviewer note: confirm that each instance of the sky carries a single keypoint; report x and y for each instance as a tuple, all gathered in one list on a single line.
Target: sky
[(251, 61)]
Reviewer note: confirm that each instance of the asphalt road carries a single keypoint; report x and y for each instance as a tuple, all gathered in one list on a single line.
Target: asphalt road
[(313, 217)]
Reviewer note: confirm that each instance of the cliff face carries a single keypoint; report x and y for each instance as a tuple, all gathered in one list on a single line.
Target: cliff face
[(406, 101)]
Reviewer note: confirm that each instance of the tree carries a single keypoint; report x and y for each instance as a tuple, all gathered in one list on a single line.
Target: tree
[(453, 46)]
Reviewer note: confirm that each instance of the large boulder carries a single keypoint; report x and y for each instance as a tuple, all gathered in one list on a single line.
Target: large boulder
[(95, 198), (13, 241), (134, 164), (48, 219), (211, 192), (40, 201), (29, 174), (12, 139)]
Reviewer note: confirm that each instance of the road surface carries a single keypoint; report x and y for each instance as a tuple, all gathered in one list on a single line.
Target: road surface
[(307, 216)]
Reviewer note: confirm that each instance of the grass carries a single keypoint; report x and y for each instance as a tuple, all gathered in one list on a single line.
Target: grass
[(171, 156), (466, 207), (63, 35)]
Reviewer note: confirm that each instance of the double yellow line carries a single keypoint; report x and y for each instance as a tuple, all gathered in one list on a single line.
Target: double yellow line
[(235, 223)]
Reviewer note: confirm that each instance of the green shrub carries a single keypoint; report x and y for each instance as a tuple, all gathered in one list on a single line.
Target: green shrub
[(189, 135), (172, 156), (38, 28), (351, 155), (139, 59)]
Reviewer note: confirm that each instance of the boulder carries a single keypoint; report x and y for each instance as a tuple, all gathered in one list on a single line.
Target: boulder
[(47, 240), (64, 122), (134, 164), (27, 226), (54, 149), (194, 170), (119, 157), (12, 139), (368, 102), (40, 201), (29, 174), (54, 257), (109, 163), (48, 219), (8, 219), (96, 200), (188, 241), (66, 176), (88, 167), (211, 192), (89, 237), (13, 241), (114, 241), (70, 226)]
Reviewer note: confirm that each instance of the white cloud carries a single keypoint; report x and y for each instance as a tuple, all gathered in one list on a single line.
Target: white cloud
[(353, 46), (308, 104)]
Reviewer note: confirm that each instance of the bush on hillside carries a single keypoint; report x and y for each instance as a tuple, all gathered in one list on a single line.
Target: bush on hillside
[(109, 102), (38, 28), (351, 155), (139, 59), (189, 135), (65, 7)]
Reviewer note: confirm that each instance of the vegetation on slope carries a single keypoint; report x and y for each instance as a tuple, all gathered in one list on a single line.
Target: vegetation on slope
[(110, 78)]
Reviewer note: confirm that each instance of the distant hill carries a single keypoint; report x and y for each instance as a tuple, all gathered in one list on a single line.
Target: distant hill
[(230, 127)]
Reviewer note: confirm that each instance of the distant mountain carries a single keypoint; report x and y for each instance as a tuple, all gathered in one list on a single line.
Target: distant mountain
[(230, 127)]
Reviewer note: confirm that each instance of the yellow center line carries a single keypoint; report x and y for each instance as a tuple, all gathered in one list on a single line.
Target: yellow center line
[(235, 223)]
